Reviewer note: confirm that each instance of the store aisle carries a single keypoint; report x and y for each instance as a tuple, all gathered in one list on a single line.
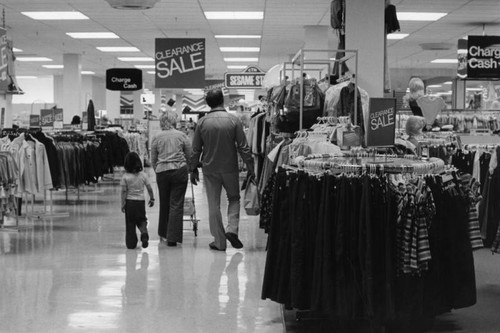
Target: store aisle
[(76, 275)]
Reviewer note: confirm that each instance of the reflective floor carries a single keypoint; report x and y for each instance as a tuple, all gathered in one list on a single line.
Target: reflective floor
[(76, 275)]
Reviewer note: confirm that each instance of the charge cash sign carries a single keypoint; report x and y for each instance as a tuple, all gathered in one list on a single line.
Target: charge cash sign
[(167, 64), (478, 51), (126, 82)]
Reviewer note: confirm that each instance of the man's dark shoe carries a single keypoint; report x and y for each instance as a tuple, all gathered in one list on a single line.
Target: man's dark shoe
[(212, 246), (233, 239), (171, 243)]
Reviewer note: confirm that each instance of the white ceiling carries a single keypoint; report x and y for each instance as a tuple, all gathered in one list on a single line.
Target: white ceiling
[(282, 30)]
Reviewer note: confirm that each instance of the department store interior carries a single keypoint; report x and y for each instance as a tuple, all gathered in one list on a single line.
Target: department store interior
[(374, 128)]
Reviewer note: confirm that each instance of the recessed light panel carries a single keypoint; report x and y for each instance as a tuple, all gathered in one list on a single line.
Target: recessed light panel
[(419, 16), (118, 49), (87, 73), (33, 59), (130, 59), (15, 49), (234, 15), (241, 59), (397, 36), (145, 66), (238, 36), (240, 49), (26, 77), (92, 35), (61, 15), (236, 67), (445, 61), (53, 66)]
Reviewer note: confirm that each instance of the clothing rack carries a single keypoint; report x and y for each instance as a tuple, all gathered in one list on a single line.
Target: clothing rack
[(388, 164), (305, 57)]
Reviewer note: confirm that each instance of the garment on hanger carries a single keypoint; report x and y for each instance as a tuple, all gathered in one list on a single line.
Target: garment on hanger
[(431, 106)]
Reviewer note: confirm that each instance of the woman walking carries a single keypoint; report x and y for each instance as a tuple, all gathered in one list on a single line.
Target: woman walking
[(170, 151)]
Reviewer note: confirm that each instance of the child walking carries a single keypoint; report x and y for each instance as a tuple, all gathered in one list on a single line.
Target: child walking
[(134, 202)]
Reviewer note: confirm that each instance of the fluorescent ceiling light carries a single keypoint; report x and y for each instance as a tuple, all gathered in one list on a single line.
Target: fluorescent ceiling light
[(419, 16), (118, 49), (53, 66), (447, 82), (33, 59), (238, 36), (234, 15), (241, 59), (445, 61), (56, 15), (92, 35), (397, 36), (237, 67), (434, 86), (135, 59), (151, 72), (26, 77), (145, 66), (474, 89), (16, 49), (87, 73), (195, 91), (240, 49)]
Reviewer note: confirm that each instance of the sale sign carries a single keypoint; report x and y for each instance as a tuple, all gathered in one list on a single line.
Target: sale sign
[(47, 118), (180, 62), (381, 129), (58, 118)]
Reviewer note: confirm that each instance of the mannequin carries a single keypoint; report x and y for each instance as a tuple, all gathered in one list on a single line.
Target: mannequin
[(416, 87), (414, 126)]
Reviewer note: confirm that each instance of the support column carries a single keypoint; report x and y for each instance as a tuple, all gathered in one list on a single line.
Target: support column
[(138, 107), (113, 104), (365, 32), (6, 105), (178, 104), (72, 86), (316, 38), (459, 95)]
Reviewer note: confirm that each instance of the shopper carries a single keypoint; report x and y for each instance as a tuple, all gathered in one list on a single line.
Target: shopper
[(170, 153), (218, 138), (133, 200)]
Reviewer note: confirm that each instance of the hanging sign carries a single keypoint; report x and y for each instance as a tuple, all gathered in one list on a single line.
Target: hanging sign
[(381, 128), (249, 78), (123, 79), (148, 99), (34, 120), (4, 51), (58, 118), (216, 84), (483, 57), (47, 118), (180, 62)]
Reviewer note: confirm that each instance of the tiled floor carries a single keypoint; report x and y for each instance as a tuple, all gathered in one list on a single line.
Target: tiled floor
[(75, 274)]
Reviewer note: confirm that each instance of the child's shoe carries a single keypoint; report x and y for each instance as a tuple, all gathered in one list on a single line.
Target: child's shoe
[(144, 240)]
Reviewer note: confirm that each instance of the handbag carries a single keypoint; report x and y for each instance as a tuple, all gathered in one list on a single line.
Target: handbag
[(251, 199)]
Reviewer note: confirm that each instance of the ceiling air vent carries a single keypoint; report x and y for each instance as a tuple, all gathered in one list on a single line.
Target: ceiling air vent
[(437, 46), (132, 4)]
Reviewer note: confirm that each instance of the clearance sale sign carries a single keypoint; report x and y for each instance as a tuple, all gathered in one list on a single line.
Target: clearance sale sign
[(180, 62)]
